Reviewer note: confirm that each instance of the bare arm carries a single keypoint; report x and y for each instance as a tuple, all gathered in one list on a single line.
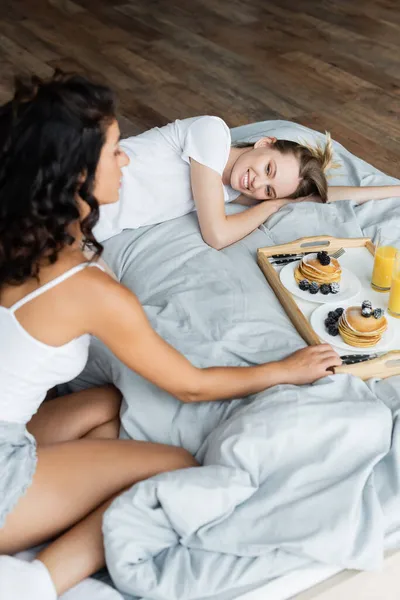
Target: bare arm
[(217, 228), (245, 201), (362, 194), (119, 321)]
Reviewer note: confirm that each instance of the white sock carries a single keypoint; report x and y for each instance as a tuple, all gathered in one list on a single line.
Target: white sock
[(20, 580)]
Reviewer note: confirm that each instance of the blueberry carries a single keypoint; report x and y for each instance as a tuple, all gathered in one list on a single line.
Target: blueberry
[(333, 330), (366, 304), (329, 321), (378, 313), (324, 258), (304, 285), (366, 311), (335, 288), (325, 261), (314, 287), (325, 289)]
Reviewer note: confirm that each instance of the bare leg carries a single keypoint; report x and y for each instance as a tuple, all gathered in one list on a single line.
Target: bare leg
[(72, 480), (78, 553), (90, 413), (107, 431)]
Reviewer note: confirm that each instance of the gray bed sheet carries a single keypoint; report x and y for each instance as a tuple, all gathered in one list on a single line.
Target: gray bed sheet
[(293, 475)]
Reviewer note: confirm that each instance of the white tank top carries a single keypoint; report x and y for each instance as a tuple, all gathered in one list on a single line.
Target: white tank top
[(28, 367)]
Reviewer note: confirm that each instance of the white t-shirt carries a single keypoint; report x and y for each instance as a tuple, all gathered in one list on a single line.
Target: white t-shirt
[(156, 184)]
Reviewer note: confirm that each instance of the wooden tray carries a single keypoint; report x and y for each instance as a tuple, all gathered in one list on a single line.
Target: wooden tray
[(386, 365)]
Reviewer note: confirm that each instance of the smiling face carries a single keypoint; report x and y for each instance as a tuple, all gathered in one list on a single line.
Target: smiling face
[(108, 172), (264, 173)]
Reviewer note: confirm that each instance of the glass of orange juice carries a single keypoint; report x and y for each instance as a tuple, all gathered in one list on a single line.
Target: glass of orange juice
[(387, 243), (394, 298)]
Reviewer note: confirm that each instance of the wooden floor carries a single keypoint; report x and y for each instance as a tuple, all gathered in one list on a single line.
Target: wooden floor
[(328, 64)]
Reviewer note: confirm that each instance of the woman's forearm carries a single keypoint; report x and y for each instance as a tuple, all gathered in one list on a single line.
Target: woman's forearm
[(236, 227), (362, 194), (225, 383), (218, 229)]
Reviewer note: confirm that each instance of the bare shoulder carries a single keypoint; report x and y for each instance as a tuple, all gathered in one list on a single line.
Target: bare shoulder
[(87, 300), (102, 299), (95, 284)]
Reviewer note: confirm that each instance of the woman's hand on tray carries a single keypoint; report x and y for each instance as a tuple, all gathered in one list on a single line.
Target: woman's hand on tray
[(309, 364)]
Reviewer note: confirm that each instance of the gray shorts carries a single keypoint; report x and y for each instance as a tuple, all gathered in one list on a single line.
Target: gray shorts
[(17, 465)]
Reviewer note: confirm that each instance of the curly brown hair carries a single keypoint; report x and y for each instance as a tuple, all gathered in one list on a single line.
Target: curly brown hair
[(51, 136)]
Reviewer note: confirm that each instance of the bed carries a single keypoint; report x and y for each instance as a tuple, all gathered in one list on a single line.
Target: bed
[(298, 495)]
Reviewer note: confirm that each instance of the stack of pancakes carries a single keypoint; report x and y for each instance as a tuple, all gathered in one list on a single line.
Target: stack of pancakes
[(311, 269), (360, 331)]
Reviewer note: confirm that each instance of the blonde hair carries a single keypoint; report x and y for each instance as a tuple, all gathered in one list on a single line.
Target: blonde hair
[(314, 162)]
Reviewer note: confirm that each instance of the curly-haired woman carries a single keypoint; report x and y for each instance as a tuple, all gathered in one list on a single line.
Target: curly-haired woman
[(61, 463)]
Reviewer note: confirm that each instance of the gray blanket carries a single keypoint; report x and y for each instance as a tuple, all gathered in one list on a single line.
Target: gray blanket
[(292, 475)]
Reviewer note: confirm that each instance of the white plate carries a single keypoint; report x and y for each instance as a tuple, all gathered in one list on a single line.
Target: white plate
[(350, 286), (317, 322)]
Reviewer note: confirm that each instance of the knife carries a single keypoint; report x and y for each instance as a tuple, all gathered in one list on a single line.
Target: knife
[(351, 359), (291, 255), (286, 261)]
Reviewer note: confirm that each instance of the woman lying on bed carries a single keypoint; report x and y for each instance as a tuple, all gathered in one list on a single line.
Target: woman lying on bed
[(62, 464), (190, 164)]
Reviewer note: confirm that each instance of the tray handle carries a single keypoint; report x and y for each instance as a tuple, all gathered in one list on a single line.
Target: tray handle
[(384, 366), (317, 243)]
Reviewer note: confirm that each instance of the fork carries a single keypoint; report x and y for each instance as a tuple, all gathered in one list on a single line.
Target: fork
[(338, 253), (294, 257)]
